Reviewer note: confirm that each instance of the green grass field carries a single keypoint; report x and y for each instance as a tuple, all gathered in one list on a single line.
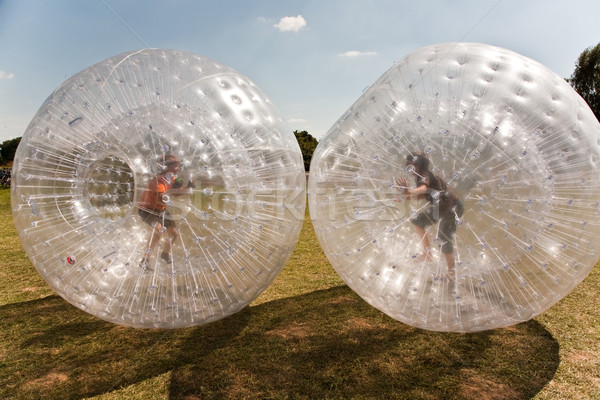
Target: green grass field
[(306, 337)]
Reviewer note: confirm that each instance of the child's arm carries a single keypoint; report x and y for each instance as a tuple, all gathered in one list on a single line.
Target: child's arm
[(406, 191), (179, 190)]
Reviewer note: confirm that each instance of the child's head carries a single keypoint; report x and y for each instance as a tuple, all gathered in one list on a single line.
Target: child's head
[(419, 161), (170, 162)]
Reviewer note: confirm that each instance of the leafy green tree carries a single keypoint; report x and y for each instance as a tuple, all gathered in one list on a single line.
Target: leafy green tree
[(8, 149), (586, 78), (308, 144)]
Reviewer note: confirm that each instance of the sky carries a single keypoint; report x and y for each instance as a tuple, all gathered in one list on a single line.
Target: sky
[(312, 58)]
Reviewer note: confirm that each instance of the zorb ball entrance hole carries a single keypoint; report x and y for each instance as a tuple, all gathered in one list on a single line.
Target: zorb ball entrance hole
[(516, 145), (158, 189)]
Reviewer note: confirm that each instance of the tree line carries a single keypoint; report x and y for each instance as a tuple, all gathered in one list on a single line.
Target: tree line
[(586, 78), (308, 144), (8, 149)]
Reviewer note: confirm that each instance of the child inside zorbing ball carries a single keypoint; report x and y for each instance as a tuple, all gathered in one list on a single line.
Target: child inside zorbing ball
[(444, 207)]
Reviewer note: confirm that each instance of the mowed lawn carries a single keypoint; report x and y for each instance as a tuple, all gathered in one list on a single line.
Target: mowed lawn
[(306, 337)]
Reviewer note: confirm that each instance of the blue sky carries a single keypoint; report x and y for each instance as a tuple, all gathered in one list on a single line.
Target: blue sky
[(312, 58)]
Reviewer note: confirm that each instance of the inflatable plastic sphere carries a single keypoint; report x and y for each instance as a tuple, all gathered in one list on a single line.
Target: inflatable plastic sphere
[(158, 189), (461, 192)]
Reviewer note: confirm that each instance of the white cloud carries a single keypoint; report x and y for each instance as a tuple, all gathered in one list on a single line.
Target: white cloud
[(354, 53), (6, 75), (293, 24), (261, 19)]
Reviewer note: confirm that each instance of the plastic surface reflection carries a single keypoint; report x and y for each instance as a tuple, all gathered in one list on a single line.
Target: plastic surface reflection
[(158, 188), (508, 222)]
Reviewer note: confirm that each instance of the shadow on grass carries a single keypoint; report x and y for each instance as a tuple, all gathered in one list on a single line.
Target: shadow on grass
[(325, 344)]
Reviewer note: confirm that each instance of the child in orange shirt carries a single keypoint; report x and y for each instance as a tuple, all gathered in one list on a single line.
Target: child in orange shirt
[(153, 210)]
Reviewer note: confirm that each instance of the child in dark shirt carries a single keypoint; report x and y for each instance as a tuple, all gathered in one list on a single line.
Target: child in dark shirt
[(444, 206)]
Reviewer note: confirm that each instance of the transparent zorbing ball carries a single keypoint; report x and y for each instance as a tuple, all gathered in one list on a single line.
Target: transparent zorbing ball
[(95, 147), (517, 146)]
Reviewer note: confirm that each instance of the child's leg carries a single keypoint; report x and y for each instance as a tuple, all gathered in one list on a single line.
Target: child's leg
[(424, 238), (450, 263), (173, 235), (151, 245), (157, 228), (421, 222), (446, 232), (155, 238)]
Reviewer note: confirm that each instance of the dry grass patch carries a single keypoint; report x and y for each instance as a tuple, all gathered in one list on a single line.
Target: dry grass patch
[(294, 331), (45, 382), (475, 386)]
